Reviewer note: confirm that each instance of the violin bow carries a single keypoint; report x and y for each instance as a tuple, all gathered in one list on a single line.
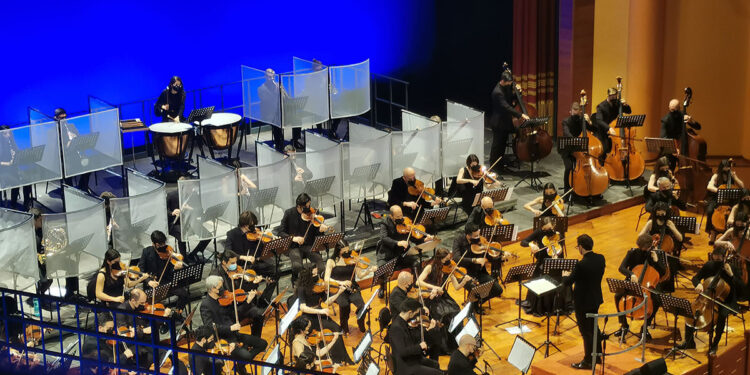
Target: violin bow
[(555, 201), (234, 301), (421, 301), (411, 230), (323, 337), (453, 270), (254, 254), (490, 168)]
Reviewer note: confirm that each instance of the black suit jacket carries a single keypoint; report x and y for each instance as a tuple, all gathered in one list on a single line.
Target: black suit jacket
[(389, 238), (406, 350), (460, 365), (237, 241), (587, 275), (399, 194), (503, 108)]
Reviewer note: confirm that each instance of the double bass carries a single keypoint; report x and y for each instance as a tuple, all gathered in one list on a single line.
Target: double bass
[(532, 143), (623, 154), (589, 178), (696, 145)]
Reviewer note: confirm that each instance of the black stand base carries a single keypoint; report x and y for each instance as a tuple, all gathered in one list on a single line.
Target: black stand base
[(532, 178)]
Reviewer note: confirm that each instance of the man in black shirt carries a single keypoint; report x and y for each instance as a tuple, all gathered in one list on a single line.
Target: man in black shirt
[(716, 266), (638, 257), (303, 235), (222, 319), (475, 263), (398, 293), (394, 244), (587, 295), (572, 127), (399, 195), (463, 360), (143, 329), (407, 349), (485, 207), (252, 308), (204, 341), (93, 348), (674, 125), (250, 251), (606, 112), (171, 102), (501, 121), (162, 270), (175, 227)]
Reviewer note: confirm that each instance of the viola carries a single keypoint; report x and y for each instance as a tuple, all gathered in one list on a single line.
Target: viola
[(493, 251), (417, 230), (624, 153), (334, 286), (220, 347), (34, 334), (118, 273), (227, 298), (317, 337), (170, 254), (425, 320), (417, 293), (552, 244), (496, 218), (266, 236), (589, 178), (157, 309), (556, 204), (316, 219), (418, 189), (134, 272), (247, 274), (320, 286)]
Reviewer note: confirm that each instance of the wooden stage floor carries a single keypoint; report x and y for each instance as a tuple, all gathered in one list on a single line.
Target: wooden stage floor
[(613, 235)]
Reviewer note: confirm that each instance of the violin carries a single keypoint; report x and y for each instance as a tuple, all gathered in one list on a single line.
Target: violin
[(482, 174), (417, 230), (247, 274), (623, 154), (316, 219), (228, 298), (419, 293), (556, 204), (266, 236), (134, 272), (220, 347), (334, 286), (34, 334), (320, 286), (425, 322), (496, 218), (419, 190), (552, 244), (170, 254), (358, 260), (316, 337), (118, 273), (452, 267)]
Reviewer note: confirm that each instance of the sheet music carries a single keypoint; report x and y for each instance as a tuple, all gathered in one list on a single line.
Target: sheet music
[(372, 369), (509, 194), (470, 328), (362, 348), (521, 355), (289, 317), (459, 317), (272, 358), (540, 286)]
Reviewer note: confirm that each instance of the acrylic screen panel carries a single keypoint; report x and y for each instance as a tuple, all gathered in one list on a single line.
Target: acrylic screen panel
[(76, 242), (304, 98), (98, 105), (318, 173), (463, 134), (261, 96), (18, 261), (413, 121), (38, 117), (418, 149), (350, 89), (317, 142), (300, 65), (91, 142), (267, 190), (208, 206), (76, 200), (136, 216), (34, 154), (360, 132), (367, 167), (265, 155)]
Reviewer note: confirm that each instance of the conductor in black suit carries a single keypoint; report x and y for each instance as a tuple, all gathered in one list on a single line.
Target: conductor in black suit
[(501, 121), (587, 295)]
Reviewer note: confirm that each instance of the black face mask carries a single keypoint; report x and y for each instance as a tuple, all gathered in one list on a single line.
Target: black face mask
[(347, 254), (412, 182), (474, 241), (489, 211), (739, 228), (306, 210), (549, 233), (116, 266), (549, 197), (399, 221), (447, 262), (177, 89), (140, 308), (661, 218), (575, 118), (746, 203), (209, 345), (476, 168)]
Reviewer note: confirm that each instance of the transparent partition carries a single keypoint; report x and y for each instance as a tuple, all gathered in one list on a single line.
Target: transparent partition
[(267, 190), (304, 99), (463, 134), (367, 167), (412, 121), (317, 142), (74, 241), (318, 173), (18, 268), (261, 96), (208, 205), (99, 105), (418, 149), (359, 132), (350, 89), (265, 154), (91, 142), (76, 200), (134, 217), (305, 66), (30, 154), (37, 117)]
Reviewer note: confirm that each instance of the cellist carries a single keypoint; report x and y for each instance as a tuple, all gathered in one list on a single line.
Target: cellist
[(637, 257), (659, 224), (721, 177), (742, 206), (717, 265), (666, 194)]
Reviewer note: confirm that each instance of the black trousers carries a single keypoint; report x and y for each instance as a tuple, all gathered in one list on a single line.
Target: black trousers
[(570, 164), (499, 142), (710, 207), (304, 252), (624, 320), (495, 291), (721, 323), (586, 328), (175, 232), (252, 347), (253, 312), (345, 300)]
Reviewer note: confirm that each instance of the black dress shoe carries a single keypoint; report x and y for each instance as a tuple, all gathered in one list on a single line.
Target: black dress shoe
[(686, 345), (381, 293), (622, 332), (583, 365), (361, 324)]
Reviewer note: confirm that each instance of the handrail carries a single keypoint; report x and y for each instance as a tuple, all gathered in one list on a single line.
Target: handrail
[(641, 342)]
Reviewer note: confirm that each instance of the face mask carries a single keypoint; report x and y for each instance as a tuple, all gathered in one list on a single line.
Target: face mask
[(739, 228), (549, 233), (232, 267), (306, 210), (489, 211), (412, 182), (177, 88), (116, 266), (140, 308), (475, 168), (399, 221), (474, 241), (210, 345), (549, 196), (346, 254), (661, 218), (447, 262)]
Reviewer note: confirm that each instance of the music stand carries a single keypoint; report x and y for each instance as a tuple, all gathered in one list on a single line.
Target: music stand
[(627, 122), (276, 248), (569, 145), (438, 214), (627, 288), (521, 354), (325, 241), (273, 306), (366, 309), (533, 179), (677, 307), (518, 274), (685, 224), (361, 176), (480, 293), (560, 223), (503, 233), (319, 187), (661, 146), (382, 275), (199, 115), (728, 196), (262, 198), (541, 286), (162, 291), (497, 195), (555, 264)]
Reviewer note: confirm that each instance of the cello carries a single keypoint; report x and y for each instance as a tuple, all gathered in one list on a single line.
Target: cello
[(623, 154), (696, 145), (589, 178), (721, 212), (648, 277), (532, 143)]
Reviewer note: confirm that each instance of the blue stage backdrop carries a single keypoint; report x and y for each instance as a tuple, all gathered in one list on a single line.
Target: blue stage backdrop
[(58, 53)]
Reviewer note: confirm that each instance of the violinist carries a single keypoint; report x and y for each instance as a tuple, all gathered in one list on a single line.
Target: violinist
[(94, 348), (109, 282), (301, 173), (243, 241), (139, 327), (228, 329), (742, 206), (572, 127), (297, 223), (661, 169), (435, 276), (606, 112), (717, 265), (722, 176), (471, 180), (665, 194), (399, 194), (161, 261), (304, 357), (251, 308), (549, 196), (205, 340), (408, 345), (394, 244), (485, 209), (465, 358), (545, 242), (475, 261), (638, 257), (315, 303), (399, 293), (501, 121), (660, 224), (674, 126), (343, 270)]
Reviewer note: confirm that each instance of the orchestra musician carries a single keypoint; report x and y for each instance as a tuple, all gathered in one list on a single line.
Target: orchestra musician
[(304, 357), (637, 257), (205, 340), (673, 126), (109, 282), (665, 194), (442, 306), (536, 243), (296, 223), (660, 224), (170, 105), (394, 244), (140, 327), (474, 262), (606, 112), (587, 295), (403, 291), (155, 260), (222, 318), (93, 348), (302, 174), (315, 305), (661, 169), (8, 169), (732, 238), (717, 265), (721, 177), (407, 345), (231, 273), (501, 121), (399, 194), (572, 127), (174, 225), (68, 132), (340, 270), (486, 207), (404, 283), (464, 359), (249, 250), (742, 206), (471, 181), (549, 195)]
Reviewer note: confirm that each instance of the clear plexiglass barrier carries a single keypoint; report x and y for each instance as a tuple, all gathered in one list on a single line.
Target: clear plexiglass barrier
[(18, 256)]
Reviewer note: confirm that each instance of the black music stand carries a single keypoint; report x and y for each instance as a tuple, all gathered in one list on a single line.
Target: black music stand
[(627, 288), (261, 198), (533, 177), (382, 275), (554, 264), (497, 195), (162, 291), (569, 145), (199, 115), (276, 248), (627, 122), (326, 241), (728, 196), (677, 307), (187, 276), (361, 176), (552, 286), (319, 187), (502, 233), (518, 274), (437, 214), (685, 224), (661, 146), (480, 293)]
